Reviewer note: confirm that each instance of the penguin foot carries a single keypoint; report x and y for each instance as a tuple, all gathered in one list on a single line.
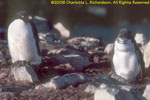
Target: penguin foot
[(20, 63), (120, 79)]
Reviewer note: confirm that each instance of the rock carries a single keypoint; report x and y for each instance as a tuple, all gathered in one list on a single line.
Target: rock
[(83, 43), (52, 45), (55, 34), (7, 95), (66, 80), (42, 24), (109, 48), (2, 88), (140, 39), (102, 94), (107, 88), (2, 32), (45, 37), (77, 61), (45, 27), (147, 55), (2, 58), (92, 87), (96, 57), (25, 74), (147, 92), (4, 43), (65, 33), (65, 51), (2, 75)]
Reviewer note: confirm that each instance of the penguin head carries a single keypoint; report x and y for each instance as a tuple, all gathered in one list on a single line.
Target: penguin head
[(123, 36), (24, 15), (124, 40)]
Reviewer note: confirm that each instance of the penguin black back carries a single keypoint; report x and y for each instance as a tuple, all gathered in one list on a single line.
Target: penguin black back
[(36, 37)]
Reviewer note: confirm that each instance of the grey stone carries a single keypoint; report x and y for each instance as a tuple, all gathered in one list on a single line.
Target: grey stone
[(2, 75), (25, 74), (2, 88), (140, 39), (146, 93), (107, 88), (66, 80), (109, 48), (66, 51), (65, 33), (7, 95), (83, 43), (52, 45), (45, 27), (45, 37), (77, 61), (41, 24), (2, 57), (4, 43), (147, 55)]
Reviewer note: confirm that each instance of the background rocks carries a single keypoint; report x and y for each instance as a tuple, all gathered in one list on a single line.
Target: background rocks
[(76, 61), (68, 66), (66, 80), (2, 57), (147, 55), (106, 88), (25, 74), (65, 33), (146, 92), (83, 43)]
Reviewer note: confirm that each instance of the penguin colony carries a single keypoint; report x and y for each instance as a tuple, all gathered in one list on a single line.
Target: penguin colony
[(23, 42), (23, 39)]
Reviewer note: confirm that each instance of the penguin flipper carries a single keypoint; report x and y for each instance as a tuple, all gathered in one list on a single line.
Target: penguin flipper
[(140, 58), (112, 64), (141, 62)]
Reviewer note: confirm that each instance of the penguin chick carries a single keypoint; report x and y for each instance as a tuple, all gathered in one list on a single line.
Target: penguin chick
[(127, 58)]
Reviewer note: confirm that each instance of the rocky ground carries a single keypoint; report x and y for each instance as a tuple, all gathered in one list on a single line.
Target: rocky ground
[(50, 67), (68, 59)]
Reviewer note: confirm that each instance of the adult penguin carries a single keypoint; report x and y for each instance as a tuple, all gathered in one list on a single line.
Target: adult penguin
[(23, 40), (127, 59)]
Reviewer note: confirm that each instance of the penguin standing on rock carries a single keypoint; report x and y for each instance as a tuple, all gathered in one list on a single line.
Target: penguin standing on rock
[(127, 59), (23, 40)]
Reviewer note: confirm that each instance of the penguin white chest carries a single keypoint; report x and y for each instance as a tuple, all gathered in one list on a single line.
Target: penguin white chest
[(21, 41), (125, 61)]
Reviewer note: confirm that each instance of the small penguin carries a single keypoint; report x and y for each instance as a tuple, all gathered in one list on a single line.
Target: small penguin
[(127, 58), (23, 40)]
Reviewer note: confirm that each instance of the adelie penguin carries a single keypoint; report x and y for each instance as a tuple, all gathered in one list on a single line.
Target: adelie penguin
[(127, 59), (23, 40)]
